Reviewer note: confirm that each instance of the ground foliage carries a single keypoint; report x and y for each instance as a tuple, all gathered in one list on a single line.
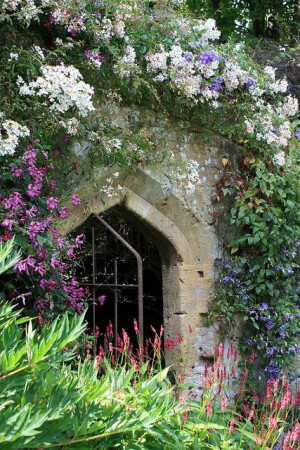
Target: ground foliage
[(59, 59), (120, 399)]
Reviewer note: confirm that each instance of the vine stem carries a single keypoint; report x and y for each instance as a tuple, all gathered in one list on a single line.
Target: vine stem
[(91, 438), (20, 370)]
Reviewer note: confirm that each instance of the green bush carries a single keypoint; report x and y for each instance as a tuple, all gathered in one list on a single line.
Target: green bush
[(48, 398)]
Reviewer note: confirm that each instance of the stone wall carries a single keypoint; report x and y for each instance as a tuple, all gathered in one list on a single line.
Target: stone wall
[(178, 222)]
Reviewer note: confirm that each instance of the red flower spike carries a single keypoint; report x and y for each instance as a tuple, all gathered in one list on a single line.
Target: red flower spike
[(179, 338), (208, 409), (153, 329), (169, 344), (221, 349), (231, 427), (223, 403), (235, 356), (136, 328), (185, 416)]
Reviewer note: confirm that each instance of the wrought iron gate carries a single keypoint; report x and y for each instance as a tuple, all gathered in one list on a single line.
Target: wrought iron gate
[(115, 285)]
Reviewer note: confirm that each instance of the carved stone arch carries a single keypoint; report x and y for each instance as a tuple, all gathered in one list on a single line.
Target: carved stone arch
[(162, 218)]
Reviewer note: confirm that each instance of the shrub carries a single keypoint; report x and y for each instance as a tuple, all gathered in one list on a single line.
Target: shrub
[(49, 399)]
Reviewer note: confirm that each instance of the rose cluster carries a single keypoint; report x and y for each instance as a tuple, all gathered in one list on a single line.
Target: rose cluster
[(10, 138), (63, 88)]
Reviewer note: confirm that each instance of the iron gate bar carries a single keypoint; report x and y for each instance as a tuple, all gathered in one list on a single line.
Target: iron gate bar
[(139, 276), (94, 290), (116, 302)]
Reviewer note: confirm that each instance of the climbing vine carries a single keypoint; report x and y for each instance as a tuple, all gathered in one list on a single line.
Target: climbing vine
[(60, 59), (259, 278)]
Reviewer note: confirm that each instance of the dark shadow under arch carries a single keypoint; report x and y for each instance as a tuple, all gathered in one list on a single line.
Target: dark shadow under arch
[(155, 251), (166, 250)]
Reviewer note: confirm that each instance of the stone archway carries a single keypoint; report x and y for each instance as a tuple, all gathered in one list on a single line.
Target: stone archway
[(185, 247)]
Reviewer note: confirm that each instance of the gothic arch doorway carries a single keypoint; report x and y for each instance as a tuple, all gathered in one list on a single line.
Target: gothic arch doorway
[(186, 254), (107, 266)]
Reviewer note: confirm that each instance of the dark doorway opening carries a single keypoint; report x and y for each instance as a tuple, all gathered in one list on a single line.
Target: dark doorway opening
[(109, 253)]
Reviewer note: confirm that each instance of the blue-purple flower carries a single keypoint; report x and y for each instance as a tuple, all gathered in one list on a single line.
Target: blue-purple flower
[(216, 84), (264, 306), (270, 352), (289, 271), (269, 324), (226, 280), (188, 56), (207, 57), (250, 82)]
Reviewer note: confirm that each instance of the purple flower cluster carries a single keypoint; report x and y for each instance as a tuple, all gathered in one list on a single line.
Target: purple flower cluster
[(22, 210), (188, 56), (76, 200), (217, 84), (272, 371), (250, 82), (234, 281), (275, 324), (207, 57), (52, 203), (255, 313), (271, 351), (75, 295), (88, 54)]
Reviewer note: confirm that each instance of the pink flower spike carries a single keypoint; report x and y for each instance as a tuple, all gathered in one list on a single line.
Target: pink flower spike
[(284, 383), (169, 344), (208, 409), (153, 329), (185, 416), (136, 328), (221, 348), (223, 403), (179, 338)]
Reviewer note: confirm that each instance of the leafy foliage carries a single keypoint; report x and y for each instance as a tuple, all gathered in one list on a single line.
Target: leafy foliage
[(274, 19), (261, 282), (50, 400), (7, 257)]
